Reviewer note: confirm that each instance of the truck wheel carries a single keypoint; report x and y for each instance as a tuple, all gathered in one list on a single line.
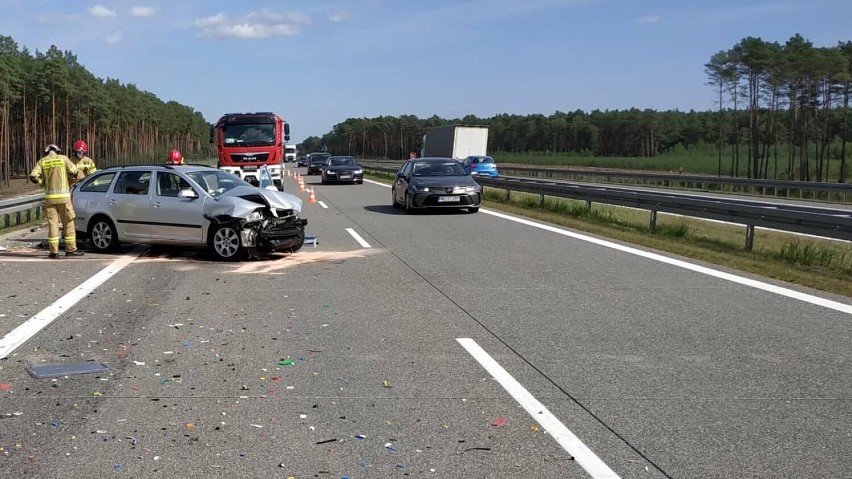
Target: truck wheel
[(102, 235), (225, 244)]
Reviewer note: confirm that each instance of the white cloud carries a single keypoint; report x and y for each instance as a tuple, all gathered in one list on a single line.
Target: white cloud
[(101, 11), (648, 19), (260, 24), (115, 38), (339, 17), (140, 11)]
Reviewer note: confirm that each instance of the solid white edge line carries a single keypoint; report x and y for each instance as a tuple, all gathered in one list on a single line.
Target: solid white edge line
[(771, 288), (322, 203), (358, 238), (584, 456), (29, 328)]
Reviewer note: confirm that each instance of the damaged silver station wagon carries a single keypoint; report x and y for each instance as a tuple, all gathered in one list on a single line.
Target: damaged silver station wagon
[(193, 206)]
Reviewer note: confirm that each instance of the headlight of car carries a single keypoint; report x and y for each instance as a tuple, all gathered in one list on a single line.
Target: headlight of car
[(358, 171), (330, 172), (471, 189), (255, 215), (420, 188)]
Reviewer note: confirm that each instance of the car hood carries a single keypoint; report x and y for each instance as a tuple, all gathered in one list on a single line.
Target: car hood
[(444, 181), (239, 202)]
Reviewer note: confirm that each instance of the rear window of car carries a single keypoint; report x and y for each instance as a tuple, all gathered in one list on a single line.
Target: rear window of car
[(482, 159), (133, 183), (98, 184)]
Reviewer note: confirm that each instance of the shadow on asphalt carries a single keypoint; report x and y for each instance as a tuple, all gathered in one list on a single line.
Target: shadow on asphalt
[(390, 210)]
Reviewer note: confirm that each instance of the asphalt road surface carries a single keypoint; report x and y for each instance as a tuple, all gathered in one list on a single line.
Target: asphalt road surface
[(440, 344)]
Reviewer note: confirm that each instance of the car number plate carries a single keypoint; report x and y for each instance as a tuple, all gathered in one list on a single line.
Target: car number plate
[(448, 199), (249, 168), (345, 177)]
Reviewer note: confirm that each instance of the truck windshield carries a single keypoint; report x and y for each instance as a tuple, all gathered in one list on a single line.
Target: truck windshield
[(261, 134)]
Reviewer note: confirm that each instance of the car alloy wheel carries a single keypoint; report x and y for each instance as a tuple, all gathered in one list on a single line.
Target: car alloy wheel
[(103, 236), (225, 243)]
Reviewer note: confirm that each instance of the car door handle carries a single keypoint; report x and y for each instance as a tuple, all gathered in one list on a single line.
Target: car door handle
[(112, 202), (157, 204)]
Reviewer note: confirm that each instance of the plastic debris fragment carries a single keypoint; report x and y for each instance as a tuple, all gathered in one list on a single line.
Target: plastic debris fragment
[(499, 422), (286, 362)]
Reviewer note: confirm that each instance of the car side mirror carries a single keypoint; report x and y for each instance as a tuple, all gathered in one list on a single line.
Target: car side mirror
[(187, 193)]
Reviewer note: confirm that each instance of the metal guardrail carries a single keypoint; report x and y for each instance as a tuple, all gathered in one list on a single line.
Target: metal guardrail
[(818, 221), (831, 192), (20, 209)]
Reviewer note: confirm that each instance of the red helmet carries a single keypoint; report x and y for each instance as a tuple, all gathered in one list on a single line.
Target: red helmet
[(175, 158), (81, 146)]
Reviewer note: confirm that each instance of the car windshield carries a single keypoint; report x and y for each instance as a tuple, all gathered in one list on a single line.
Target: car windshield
[(216, 182), (319, 159), (290, 149), (341, 162), (482, 159), (256, 134), (438, 168)]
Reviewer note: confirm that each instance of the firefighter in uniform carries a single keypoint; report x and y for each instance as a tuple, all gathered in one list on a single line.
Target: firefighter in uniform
[(175, 158), (85, 165), (53, 172)]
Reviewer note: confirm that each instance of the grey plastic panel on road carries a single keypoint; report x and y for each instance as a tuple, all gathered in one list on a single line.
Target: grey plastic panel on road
[(60, 370)]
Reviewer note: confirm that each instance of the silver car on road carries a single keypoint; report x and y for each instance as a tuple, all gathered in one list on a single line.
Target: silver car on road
[(194, 206)]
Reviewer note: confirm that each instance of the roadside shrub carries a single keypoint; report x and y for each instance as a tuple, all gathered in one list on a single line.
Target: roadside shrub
[(807, 253)]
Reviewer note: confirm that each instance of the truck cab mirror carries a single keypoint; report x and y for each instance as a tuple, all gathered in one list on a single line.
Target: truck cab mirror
[(286, 132)]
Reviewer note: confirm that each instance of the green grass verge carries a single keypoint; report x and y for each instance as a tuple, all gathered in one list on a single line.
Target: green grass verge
[(815, 263)]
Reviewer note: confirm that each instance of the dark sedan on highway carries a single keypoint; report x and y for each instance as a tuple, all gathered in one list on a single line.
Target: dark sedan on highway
[(435, 183), (316, 162), (342, 169)]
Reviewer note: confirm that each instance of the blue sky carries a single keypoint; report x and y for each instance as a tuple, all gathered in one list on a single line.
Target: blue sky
[(318, 62)]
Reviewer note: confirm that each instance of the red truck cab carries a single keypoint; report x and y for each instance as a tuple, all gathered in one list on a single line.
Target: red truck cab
[(247, 141)]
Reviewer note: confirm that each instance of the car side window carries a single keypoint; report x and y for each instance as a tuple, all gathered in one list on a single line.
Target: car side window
[(170, 184), (98, 184), (133, 183)]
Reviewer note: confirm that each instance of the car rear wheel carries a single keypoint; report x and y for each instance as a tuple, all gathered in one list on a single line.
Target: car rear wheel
[(225, 243), (102, 235)]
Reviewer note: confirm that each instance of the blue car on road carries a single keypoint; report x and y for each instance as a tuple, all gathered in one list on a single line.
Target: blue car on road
[(480, 165)]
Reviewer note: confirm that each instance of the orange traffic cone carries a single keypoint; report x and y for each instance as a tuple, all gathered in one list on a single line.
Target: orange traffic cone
[(312, 198), (301, 185)]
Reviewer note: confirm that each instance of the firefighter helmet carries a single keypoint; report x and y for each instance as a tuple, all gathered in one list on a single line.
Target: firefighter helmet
[(80, 146), (52, 147), (175, 158)]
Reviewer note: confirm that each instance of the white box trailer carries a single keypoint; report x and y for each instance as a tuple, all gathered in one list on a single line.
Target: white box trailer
[(454, 141)]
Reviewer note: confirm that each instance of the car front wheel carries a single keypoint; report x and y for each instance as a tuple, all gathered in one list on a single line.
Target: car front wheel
[(408, 206), (225, 243), (102, 235)]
